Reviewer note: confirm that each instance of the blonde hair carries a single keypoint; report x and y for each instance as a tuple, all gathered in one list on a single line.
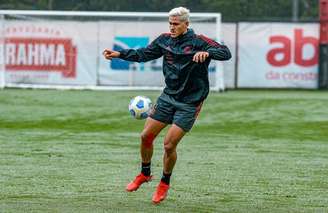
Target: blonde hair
[(182, 12)]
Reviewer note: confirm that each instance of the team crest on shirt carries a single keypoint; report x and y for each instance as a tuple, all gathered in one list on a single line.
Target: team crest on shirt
[(187, 49)]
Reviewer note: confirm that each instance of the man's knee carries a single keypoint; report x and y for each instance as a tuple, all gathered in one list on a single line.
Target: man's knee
[(169, 148), (147, 139)]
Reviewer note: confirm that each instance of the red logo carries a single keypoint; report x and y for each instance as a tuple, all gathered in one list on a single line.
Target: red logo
[(41, 54), (187, 49), (287, 52)]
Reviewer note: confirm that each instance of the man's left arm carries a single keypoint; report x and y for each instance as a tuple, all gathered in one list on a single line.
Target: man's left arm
[(215, 50)]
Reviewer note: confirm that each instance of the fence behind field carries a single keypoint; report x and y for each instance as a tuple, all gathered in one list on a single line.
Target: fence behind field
[(42, 51)]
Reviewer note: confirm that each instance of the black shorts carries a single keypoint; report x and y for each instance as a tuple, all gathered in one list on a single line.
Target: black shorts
[(168, 110)]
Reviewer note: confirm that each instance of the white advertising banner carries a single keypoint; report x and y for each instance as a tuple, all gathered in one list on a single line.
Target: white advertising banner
[(2, 64), (127, 34), (2, 53), (50, 52), (278, 55), (229, 39)]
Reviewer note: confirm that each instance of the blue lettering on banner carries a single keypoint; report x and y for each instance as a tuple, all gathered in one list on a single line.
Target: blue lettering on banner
[(128, 43)]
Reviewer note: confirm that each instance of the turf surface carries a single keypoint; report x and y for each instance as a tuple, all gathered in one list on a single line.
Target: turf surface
[(250, 151)]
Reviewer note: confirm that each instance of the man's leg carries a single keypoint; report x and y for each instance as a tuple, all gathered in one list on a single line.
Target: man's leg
[(172, 138), (151, 129)]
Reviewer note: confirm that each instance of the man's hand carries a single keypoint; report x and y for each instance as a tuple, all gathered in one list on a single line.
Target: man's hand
[(200, 57), (110, 54)]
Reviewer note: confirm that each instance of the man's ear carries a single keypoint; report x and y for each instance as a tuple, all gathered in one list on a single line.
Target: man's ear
[(187, 23)]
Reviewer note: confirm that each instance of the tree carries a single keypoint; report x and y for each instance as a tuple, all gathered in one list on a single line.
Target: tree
[(232, 10)]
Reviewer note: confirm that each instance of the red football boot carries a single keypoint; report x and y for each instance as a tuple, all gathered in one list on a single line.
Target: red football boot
[(161, 192), (136, 183)]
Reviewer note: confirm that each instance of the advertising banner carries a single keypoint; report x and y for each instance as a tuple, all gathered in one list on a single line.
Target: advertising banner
[(50, 52), (278, 55), (2, 64), (229, 39)]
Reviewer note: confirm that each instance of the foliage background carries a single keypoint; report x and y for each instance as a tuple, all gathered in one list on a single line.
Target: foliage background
[(232, 10)]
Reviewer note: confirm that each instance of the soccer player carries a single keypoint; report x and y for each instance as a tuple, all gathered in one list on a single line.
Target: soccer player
[(185, 68)]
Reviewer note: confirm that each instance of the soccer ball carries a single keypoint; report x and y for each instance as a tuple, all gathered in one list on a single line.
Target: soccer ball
[(139, 107)]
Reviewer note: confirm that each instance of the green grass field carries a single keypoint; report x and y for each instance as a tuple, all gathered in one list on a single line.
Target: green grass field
[(250, 151)]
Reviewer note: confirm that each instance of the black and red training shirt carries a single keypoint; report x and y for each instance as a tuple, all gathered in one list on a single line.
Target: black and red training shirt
[(186, 80)]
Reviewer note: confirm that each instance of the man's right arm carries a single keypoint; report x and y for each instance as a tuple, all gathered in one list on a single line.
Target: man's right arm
[(151, 52), (110, 54)]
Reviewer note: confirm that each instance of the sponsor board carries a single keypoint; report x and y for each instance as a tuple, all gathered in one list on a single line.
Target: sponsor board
[(48, 53), (276, 55)]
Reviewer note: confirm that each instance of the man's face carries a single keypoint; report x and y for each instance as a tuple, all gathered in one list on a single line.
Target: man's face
[(177, 27)]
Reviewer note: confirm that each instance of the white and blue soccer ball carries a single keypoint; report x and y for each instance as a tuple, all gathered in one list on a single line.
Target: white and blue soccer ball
[(139, 107)]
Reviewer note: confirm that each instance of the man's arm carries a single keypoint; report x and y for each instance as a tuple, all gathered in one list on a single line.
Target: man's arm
[(215, 50), (151, 52), (110, 54)]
